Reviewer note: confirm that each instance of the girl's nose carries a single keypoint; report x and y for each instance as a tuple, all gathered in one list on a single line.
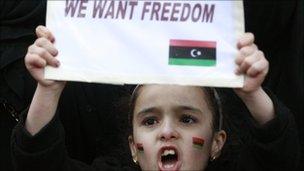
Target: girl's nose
[(168, 131)]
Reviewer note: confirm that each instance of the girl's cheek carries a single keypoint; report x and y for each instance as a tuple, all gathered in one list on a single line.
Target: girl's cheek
[(198, 149), (201, 147), (146, 156), (141, 153)]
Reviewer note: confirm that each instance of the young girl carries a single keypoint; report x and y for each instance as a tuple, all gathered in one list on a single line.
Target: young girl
[(174, 127)]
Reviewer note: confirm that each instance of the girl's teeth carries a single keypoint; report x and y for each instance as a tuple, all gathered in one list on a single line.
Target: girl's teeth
[(166, 152), (168, 166)]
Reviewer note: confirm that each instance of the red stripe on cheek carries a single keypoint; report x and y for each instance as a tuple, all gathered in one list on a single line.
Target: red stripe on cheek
[(139, 146), (198, 142)]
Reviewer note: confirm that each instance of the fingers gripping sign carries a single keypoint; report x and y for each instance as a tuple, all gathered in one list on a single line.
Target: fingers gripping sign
[(40, 54), (42, 31), (251, 62)]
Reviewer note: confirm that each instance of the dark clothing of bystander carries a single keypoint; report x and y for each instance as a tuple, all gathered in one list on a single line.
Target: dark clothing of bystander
[(18, 20)]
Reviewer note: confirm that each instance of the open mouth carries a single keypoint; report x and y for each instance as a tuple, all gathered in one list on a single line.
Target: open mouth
[(168, 159)]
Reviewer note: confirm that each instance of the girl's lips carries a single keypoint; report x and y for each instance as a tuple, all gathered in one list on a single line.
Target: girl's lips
[(172, 165)]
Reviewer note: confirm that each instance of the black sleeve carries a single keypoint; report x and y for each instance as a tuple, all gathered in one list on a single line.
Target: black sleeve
[(46, 151), (274, 145)]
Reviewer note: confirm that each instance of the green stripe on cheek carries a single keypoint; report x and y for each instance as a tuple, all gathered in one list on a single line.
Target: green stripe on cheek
[(198, 146)]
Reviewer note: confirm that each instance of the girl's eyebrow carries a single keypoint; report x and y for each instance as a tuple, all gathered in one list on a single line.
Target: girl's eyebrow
[(155, 110), (144, 111), (184, 107)]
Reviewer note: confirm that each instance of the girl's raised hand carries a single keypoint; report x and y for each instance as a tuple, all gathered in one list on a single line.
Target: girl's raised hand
[(39, 55), (252, 63)]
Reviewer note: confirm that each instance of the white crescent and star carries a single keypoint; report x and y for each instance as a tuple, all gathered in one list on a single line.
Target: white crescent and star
[(194, 53)]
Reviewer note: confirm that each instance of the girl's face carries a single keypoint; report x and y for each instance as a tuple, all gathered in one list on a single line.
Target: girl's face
[(172, 129)]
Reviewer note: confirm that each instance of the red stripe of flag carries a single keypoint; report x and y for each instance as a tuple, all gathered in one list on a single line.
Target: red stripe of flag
[(192, 43)]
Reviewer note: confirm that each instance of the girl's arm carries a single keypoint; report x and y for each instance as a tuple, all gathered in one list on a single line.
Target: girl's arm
[(271, 142), (46, 97), (42, 109), (252, 63), (41, 145)]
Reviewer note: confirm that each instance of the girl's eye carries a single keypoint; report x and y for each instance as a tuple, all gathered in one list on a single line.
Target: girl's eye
[(149, 121), (188, 119)]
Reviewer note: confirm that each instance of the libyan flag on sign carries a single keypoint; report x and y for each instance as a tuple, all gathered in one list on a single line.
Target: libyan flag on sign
[(192, 53)]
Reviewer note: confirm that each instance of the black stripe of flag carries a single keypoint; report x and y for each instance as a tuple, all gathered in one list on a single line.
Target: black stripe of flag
[(193, 53)]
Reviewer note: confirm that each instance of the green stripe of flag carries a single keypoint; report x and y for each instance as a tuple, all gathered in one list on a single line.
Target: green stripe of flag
[(193, 62)]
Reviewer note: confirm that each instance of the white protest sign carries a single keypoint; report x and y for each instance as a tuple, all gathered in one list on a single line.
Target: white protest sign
[(143, 42)]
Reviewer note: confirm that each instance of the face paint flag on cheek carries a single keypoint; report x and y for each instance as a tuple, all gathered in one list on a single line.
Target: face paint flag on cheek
[(140, 147), (198, 142)]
